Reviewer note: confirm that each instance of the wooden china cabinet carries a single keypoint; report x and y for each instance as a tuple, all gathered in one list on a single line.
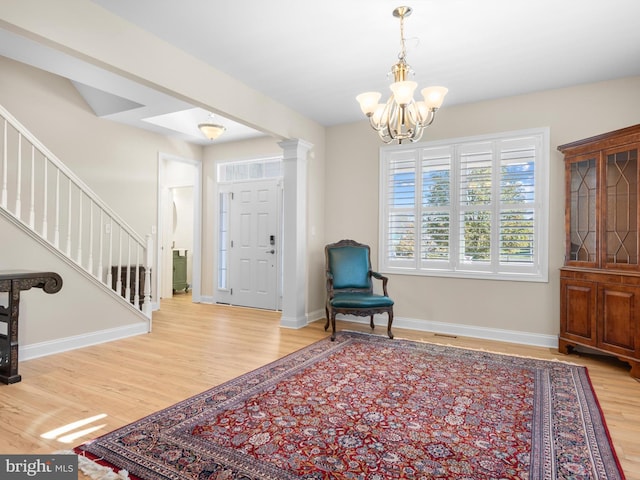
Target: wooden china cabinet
[(600, 280)]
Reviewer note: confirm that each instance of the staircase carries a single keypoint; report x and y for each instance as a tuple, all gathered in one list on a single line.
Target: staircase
[(46, 200)]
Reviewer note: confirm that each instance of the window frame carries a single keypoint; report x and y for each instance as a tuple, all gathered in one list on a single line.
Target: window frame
[(537, 139)]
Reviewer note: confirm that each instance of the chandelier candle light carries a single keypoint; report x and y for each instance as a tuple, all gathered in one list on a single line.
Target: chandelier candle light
[(402, 118)]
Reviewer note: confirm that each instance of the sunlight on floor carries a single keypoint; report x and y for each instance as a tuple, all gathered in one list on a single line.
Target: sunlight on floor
[(59, 433)]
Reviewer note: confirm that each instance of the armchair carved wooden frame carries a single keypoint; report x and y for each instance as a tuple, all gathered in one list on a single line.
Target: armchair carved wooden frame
[(350, 286)]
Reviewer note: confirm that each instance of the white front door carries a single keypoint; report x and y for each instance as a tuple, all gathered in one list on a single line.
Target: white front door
[(254, 251)]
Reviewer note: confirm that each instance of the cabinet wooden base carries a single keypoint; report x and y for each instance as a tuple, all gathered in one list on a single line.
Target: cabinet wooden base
[(11, 379), (567, 347)]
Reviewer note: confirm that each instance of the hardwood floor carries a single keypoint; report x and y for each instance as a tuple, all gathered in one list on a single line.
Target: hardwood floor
[(194, 347)]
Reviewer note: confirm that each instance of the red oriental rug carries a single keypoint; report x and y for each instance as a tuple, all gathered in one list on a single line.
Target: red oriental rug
[(369, 408)]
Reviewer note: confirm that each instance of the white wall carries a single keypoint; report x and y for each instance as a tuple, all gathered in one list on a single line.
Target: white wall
[(352, 201)]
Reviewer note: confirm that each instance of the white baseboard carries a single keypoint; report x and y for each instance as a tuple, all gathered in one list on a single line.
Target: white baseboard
[(294, 322), (511, 336), (501, 335), (42, 349), (316, 315)]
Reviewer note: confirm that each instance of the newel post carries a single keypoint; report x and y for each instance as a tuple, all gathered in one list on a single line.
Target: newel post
[(146, 305)]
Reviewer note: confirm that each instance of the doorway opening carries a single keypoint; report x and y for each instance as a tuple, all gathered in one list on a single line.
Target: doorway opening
[(179, 239), (249, 261)]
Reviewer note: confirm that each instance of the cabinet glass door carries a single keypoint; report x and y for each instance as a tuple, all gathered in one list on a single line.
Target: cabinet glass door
[(621, 221), (582, 244)]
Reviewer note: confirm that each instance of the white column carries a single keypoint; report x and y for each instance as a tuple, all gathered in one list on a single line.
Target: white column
[(294, 243)]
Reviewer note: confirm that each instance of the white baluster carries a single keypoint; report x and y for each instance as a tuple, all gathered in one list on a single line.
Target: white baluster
[(32, 206), (136, 295), (127, 290), (109, 227), (56, 233), (90, 260), (100, 254), (18, 212), (4, 166), (69, 221), (119, 277), (45, 209), (79, 257)]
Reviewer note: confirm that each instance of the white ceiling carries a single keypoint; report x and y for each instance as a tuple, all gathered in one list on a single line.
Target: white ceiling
[(316, 56)]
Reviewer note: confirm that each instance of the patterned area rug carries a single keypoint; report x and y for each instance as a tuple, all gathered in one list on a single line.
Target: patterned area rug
[(369, 408)]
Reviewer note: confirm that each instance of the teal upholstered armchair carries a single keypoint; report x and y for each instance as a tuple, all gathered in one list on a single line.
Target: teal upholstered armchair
[(350, 286)]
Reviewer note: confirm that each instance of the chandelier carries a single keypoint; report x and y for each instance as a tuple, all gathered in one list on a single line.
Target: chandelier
[(402, 118), (210, 129)]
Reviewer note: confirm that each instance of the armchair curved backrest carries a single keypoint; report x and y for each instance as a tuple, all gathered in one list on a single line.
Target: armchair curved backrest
[(349, 265), (350, 285)]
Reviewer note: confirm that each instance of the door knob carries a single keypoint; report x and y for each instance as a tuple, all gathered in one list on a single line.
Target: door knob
[(272, 251)]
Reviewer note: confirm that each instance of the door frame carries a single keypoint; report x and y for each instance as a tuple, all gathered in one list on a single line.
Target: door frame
[(163, 209), (224, 295)]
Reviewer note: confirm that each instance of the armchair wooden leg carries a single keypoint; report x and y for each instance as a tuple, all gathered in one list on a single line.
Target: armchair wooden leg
[(371, 323), (389, 325), (333, 326), (326, 325)]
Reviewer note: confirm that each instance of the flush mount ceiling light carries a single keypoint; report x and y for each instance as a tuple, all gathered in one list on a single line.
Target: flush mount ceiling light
[(402, 118), (210, 129)]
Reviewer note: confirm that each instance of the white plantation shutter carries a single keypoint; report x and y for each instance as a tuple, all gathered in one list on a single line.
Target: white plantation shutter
[(472, 207), (475, 234), (399, 199), (436, 208), (517, 221)]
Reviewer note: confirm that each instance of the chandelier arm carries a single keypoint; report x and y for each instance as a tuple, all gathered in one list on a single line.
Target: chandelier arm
[(384, 117), (373, 124), (392, 114), (382, 130), (400, 118), (431, 118), (413, 113), (386, 134), (417, 132)]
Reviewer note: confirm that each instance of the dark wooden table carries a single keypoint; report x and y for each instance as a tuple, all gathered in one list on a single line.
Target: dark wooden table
[(13, 282)]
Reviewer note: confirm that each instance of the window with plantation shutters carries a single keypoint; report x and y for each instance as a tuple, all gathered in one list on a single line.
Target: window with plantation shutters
[(472, 207)]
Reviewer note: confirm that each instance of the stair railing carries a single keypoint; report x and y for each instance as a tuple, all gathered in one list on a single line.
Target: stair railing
[(47, 198)]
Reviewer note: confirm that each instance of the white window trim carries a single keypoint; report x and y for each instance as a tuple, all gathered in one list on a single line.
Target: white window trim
[(537, 272)]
